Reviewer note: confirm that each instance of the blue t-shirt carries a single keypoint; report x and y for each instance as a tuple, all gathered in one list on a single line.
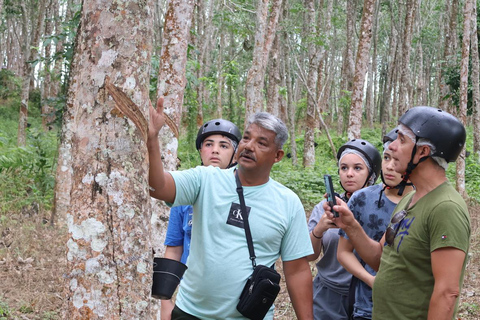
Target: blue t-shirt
[(179, 231), (374, 218), (219, 262)]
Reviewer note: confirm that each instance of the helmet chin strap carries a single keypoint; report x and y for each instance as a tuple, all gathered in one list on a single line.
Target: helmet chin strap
[(410, 167)]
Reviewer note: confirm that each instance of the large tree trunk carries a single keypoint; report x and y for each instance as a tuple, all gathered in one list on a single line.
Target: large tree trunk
[(462, 110), (263, 42), (475, 83), (361, 64), (109, 267)]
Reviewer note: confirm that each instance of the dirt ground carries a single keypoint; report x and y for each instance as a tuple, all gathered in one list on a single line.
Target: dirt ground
[(33, 262)]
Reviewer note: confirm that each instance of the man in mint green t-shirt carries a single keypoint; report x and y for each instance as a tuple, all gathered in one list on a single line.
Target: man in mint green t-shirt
[(220, 265), (422, 255)]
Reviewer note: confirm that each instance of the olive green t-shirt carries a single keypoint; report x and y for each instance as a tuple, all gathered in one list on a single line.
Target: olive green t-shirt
[(404, 283)]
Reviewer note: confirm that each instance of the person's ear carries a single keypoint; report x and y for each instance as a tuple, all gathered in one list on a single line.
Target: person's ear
[(424, 151), (279, 155)]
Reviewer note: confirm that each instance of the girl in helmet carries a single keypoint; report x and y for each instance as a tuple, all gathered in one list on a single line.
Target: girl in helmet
[(216, 142), (372, 207), (358, 167)]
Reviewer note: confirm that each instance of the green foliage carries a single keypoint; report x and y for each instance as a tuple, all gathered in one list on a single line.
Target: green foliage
[(50, 315), (25, 308), (470, 308), (27, 173), (4, 310), (10, 85)]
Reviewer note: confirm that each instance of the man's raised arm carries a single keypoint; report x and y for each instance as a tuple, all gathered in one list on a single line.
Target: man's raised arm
[(162, 185)]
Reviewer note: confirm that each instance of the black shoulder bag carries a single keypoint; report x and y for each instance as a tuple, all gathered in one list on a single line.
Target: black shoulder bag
[(262, 286)]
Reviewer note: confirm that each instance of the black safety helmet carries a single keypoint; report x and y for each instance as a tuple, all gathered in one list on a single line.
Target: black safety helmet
[(391, 136), (218, 126), (445, 131), (368, 151)]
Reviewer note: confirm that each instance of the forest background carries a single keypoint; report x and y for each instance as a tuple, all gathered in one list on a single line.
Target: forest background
[(331, 69)]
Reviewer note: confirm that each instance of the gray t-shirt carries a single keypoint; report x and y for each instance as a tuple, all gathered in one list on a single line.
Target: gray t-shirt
[(329, 271)]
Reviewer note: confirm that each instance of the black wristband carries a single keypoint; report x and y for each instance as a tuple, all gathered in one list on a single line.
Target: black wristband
[(313, 234)]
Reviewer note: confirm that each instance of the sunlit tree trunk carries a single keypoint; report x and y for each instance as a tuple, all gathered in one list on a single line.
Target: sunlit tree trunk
[(462, 110), (475, 83), (109, 257), (361, 64), (263, 42)]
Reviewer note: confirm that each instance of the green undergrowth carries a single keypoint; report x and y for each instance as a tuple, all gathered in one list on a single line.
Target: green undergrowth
[(27, 174)]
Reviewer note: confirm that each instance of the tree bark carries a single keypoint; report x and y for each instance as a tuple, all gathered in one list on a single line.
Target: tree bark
[(311, 82), (263, 42), (403, 98), (109, 259), (361, 64), (30, 52), (288, 82), (348, 67), (273, 88), (171, 85), (47, 80), (462, 110), (475, 83), (450, 48)]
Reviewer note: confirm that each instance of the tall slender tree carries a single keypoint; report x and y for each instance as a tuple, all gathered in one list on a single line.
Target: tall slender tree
[(404, 101), (475, 83), (348, 65), (30, 52), (361, 64), (462, 110), (266, 27)]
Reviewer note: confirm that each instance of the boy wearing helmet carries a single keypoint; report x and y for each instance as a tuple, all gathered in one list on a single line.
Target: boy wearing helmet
[(358, 166), (372, 207), (421, 258), (216, 142), (219, 262)]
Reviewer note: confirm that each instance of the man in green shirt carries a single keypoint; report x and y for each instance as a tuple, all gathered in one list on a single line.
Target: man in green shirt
[(421, 258)]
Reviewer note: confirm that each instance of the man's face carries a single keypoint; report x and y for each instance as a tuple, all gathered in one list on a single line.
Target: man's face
[(401, 151), (257, 149), (216, 151)]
